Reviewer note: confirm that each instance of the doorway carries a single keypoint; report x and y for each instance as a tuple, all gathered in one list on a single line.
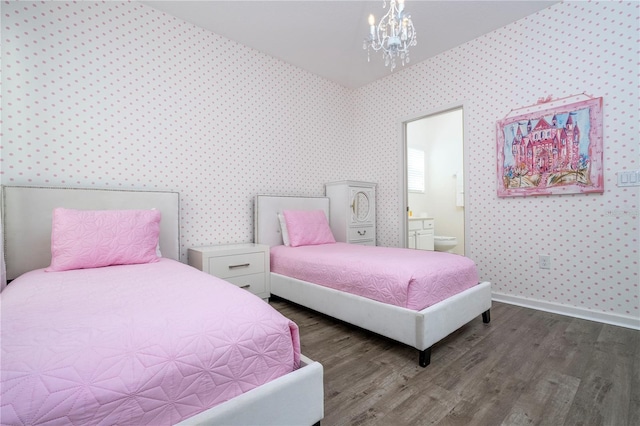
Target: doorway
[(434, 170)]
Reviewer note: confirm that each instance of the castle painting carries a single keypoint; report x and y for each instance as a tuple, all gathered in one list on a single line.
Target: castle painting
[(553, 151)]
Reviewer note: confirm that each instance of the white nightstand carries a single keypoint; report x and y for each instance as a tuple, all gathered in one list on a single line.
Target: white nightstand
[(245, 265)]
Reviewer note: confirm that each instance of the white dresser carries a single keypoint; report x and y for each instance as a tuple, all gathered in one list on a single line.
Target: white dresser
[(246, 265), (421, 233), (352, 211)]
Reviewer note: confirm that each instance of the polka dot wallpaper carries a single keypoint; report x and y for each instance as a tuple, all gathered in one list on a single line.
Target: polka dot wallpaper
[(120, 95), (593, 240)]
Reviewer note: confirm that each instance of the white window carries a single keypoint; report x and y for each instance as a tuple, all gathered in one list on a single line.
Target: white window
[(415, 170)]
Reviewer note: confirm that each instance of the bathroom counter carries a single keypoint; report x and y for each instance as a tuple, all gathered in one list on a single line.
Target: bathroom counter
[(421, 224)]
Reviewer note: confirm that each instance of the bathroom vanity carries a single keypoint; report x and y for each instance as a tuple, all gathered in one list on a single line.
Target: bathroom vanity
[(421, 233)]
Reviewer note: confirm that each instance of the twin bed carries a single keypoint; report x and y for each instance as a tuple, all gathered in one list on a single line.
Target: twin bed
[(411, 296), (153, 341)]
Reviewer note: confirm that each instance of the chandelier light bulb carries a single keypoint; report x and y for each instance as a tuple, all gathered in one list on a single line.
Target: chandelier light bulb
[(372, 26)]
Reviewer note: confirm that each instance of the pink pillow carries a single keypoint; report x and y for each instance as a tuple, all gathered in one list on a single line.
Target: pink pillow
[(307, 227), (95, 238)]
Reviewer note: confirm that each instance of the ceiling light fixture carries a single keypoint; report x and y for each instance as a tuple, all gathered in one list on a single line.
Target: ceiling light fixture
[(393, 35)]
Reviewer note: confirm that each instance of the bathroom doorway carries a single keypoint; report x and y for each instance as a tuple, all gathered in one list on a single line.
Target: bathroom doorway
[(434, 162)]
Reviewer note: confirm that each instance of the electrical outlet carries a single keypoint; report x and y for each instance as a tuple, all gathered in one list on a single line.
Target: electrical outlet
[(545, 262)]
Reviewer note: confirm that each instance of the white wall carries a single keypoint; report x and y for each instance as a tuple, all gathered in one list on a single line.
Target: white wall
[(419, 202), (567, 49)]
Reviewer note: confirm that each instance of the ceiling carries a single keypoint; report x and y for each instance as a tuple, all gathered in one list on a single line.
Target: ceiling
[(326, 37)]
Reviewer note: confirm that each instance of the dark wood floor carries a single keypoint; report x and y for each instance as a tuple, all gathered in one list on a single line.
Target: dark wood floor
[(526, 367)]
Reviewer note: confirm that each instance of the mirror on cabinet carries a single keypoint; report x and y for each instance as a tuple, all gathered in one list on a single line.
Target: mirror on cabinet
[(360, 206)]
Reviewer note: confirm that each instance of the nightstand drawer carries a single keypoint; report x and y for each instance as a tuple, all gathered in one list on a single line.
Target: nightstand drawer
[(364, 233), (236, 265), (246, 265), (255, 283)]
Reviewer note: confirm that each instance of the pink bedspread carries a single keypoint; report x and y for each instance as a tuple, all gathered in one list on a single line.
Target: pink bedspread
[(133, 345), (413, 279)]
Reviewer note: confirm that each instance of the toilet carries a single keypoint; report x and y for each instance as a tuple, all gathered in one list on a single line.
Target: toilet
[(443, 243)]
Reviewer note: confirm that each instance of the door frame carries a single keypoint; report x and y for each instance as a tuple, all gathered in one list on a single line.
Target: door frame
[(404, 218)]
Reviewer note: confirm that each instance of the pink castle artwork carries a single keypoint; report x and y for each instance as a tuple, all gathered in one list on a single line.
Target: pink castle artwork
[(554, 151)]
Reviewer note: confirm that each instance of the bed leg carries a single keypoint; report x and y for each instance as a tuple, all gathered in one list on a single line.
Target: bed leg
[(486, 316), (425, 357), (316, 424)]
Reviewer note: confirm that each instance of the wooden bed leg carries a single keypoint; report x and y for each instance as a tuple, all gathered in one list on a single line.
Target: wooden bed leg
[(425, 357), (316, 424), (486, 316)]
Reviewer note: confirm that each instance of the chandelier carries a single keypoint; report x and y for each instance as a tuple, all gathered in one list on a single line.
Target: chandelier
[(393, 34)]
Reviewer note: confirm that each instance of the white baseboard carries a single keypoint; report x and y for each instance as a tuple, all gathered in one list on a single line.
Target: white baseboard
[(571, 311)]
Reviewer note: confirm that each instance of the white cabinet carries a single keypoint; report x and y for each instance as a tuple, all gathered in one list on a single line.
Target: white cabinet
[(421, 233), (352, 211), (245, 265), (412, 240)]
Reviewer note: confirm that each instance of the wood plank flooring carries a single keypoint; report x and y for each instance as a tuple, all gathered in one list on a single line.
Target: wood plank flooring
[(526, 367)]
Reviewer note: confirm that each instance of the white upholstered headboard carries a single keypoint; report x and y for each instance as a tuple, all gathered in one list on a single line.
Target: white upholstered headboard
[(27, 213), (267, 207)]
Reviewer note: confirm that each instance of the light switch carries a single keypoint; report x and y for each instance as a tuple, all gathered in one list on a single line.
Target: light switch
[(629, 178)]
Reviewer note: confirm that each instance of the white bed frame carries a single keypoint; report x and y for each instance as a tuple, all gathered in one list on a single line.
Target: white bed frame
[(294, 399), (420, 329)]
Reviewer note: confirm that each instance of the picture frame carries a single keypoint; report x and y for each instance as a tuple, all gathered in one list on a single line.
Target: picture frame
[(551, 150)]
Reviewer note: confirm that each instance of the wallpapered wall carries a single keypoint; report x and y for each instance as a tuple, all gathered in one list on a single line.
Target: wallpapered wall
[(593, 240), (119, 95)]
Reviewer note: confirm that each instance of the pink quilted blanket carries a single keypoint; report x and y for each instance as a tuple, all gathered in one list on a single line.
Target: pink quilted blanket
[(413, 279), (136, 344)]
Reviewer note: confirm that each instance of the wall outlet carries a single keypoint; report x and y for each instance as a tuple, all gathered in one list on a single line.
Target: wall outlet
[(545, 262)]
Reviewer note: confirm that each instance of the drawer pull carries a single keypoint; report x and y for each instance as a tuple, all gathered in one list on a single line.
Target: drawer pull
[(362, 233), (243, 265), (245, 286)]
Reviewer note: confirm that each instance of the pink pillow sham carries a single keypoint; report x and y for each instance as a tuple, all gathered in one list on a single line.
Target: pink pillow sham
[(307, 227), (95, 238)]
